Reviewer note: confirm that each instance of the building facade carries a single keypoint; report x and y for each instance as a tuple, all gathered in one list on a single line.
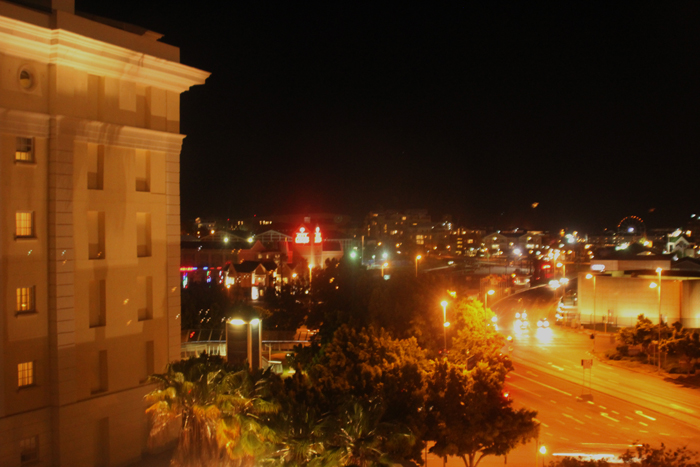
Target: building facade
[(89, 232)]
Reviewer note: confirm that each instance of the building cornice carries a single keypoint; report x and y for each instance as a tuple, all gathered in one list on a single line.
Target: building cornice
[(61, 47), (33, 124)]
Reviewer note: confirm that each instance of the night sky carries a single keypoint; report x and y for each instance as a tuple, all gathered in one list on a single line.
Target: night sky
[(476, 109)]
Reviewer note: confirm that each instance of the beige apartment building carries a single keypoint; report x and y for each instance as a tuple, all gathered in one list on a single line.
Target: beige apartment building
[(89, 232)]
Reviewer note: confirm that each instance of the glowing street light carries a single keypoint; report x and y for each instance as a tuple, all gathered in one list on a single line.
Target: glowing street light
[(445, 324), (591, 276), (541, 449), (658, 271), (418, 258), (486, 298)]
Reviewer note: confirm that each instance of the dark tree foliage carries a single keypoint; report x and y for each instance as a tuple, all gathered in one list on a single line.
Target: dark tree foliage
[(286, 308), (340, 294), (468, 416), (204, 305), (643, 455), (370, 365)]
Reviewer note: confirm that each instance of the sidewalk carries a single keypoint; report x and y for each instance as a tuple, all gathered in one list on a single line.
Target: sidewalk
[(606, 341)]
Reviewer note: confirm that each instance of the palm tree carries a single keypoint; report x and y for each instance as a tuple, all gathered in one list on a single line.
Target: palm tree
[(303, 438), (360, 438), (187, 396), (221, 413), (244, 430)]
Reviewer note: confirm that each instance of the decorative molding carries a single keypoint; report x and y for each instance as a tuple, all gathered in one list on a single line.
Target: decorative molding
[(32, 124), (29, 124), (61, 47)]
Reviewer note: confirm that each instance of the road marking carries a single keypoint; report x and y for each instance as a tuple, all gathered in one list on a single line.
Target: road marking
[(588, 416), (591, 402), (569, 408), (597, 434), (573, 418), (675, 406), (604, 415), (557, 367), (565, 439), (523, 389), (642, 423), (531, 373), (545, 385), (643, 431), (664, 434), (617, 413), (604, 408), (552, 401), (639, 412), (629, 418)]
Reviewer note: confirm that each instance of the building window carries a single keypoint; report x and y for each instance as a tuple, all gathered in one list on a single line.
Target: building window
[(143, 170), (29, 450), (24, 224), (100, 372), (24, 149), (25, 300), (143, 234), (144, 289), (25, 374), (26, 80), (97, 303), (96, 234), (96, 166)]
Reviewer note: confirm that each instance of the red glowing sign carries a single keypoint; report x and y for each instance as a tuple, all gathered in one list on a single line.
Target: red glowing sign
[(302, 236)]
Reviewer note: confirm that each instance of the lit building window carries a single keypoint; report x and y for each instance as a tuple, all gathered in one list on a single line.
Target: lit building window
[(25, 300), (29, 450), (24, 149), (24, 224), (25, 374)]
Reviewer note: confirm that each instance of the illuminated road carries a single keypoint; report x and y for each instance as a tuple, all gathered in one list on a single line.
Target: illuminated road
[(617, 407)]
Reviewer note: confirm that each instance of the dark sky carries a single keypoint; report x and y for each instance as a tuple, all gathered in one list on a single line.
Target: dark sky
[(477, 109)]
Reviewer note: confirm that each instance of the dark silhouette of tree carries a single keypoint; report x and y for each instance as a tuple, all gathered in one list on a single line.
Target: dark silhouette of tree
[(469, 417), (370, 365)]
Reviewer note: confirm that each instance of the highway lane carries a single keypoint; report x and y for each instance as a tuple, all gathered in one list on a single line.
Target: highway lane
[(575, 419), (548, 378)]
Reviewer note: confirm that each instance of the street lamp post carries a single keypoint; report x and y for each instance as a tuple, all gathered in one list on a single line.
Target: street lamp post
[(486, 298), (417, 259), (445, 324), (658, 271), (658, 287), (591, 276), (541, 449), (384, 265)]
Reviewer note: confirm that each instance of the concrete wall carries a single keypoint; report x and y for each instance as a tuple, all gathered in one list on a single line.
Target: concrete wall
[(628, 297)]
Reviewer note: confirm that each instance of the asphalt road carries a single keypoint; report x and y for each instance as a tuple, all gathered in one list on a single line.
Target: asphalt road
[(608, 411)]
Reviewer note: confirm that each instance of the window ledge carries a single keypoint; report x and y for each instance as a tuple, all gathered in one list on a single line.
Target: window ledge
[(26, 313)]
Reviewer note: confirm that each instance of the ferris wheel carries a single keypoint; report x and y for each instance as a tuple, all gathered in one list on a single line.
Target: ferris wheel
[(632, 225)]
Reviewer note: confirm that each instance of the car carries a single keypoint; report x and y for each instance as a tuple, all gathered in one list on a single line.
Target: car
[(521, 323)]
